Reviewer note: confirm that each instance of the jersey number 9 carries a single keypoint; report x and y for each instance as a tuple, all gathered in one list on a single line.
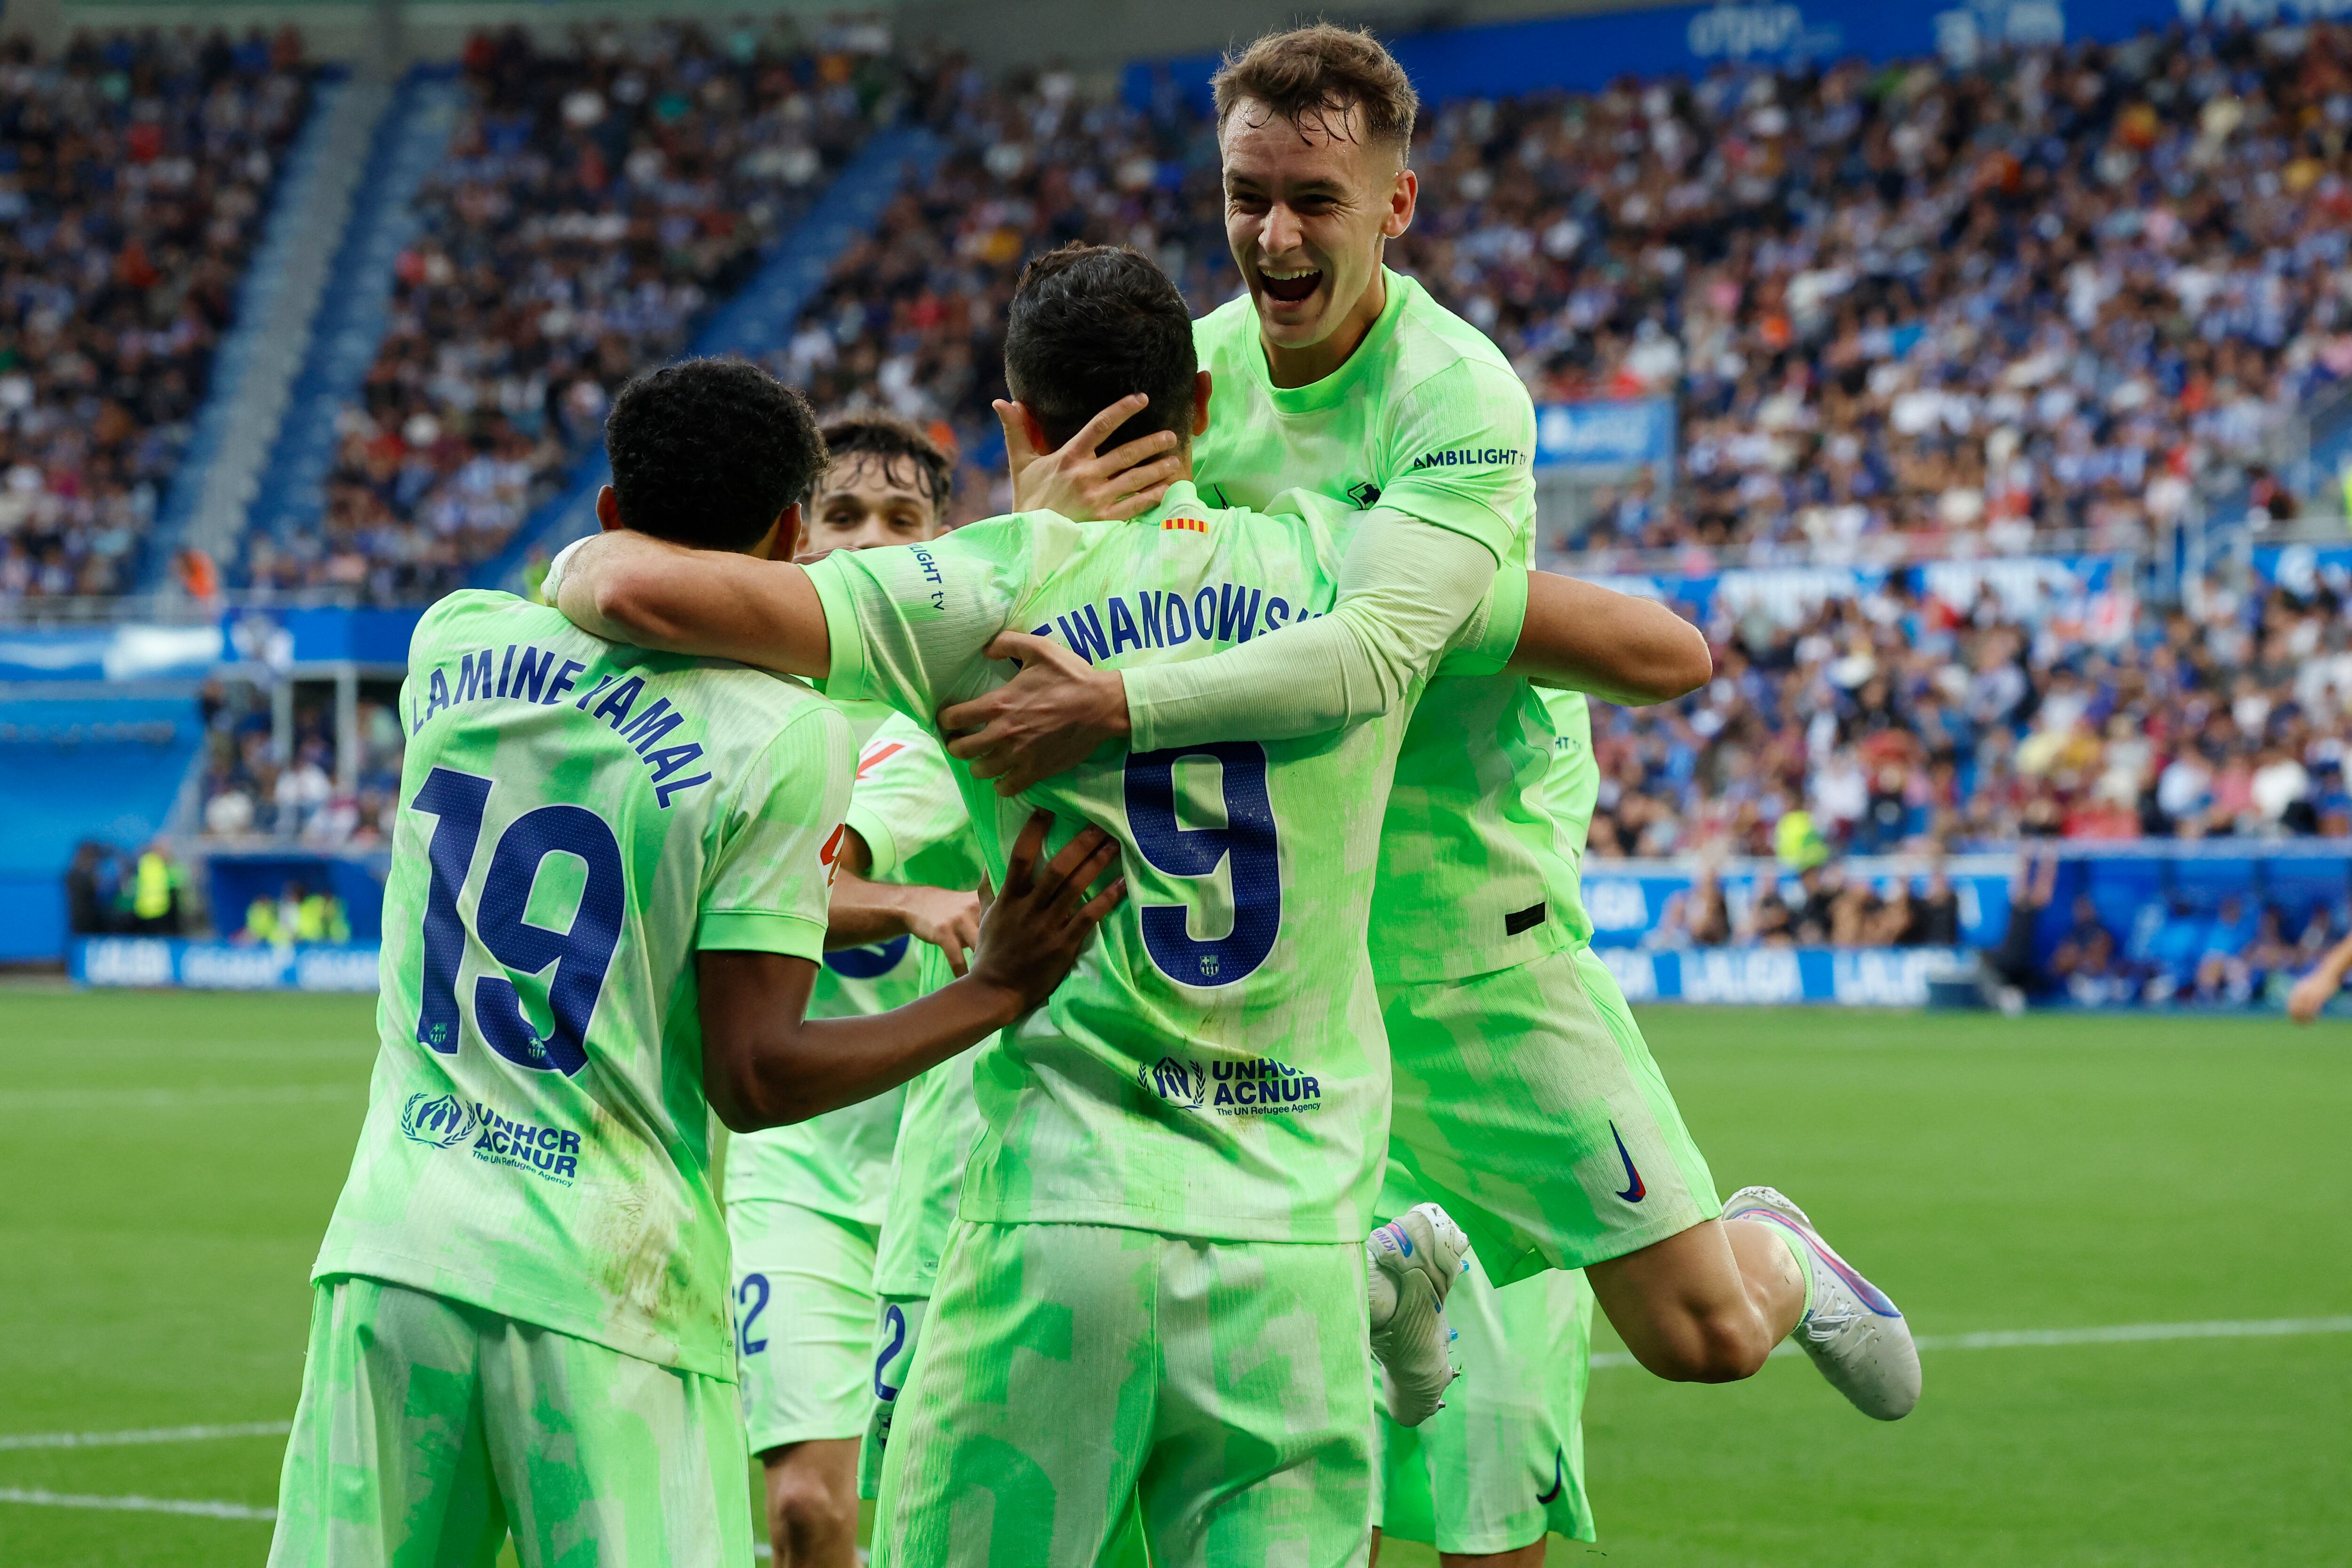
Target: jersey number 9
[(1244, 845)]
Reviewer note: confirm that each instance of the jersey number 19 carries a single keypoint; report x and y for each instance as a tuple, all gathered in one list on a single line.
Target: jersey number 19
[(580, 955)]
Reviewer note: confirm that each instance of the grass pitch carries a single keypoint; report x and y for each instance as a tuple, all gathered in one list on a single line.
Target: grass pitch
[(167, 1163)]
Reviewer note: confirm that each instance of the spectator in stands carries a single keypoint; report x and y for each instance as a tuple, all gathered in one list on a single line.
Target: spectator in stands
[(595, 204), (134, 175)]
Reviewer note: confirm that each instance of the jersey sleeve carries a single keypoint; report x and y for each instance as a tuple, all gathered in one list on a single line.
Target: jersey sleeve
[(907, 622), (1460, 455), (771, 879), (1491, 634), (905, 799)]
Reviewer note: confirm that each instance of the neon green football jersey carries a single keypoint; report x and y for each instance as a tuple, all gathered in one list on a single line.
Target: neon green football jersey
[(1426, 417), (906, 807), (577, 819), (1215, 1065), (1571, 791)]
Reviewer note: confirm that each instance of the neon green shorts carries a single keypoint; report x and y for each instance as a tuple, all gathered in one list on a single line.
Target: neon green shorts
[(1069, 1374), (1526, 1103), (428, 1429), (1502, 1464), (804, 1322)]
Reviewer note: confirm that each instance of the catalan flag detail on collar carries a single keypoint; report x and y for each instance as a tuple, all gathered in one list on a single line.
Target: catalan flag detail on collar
[(1195, 524)]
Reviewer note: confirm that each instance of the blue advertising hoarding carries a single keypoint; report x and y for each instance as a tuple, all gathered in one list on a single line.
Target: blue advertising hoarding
[(1632, 433), (1585, 53), (159, 963)]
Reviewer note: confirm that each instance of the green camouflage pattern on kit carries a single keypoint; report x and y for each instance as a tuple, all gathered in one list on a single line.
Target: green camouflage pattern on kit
[(601, 813), (1428, 418), (428, 1429), (1572, 789), (1223, 1386), (1503, 1463), (1214, 1066), (906, 807)]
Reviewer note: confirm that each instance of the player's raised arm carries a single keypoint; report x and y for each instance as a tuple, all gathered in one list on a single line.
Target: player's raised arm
[(1615, 646), (2315, 990), (633, 589), (764, 1064)]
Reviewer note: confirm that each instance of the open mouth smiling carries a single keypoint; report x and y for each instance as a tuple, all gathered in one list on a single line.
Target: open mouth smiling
[(1291, 287)]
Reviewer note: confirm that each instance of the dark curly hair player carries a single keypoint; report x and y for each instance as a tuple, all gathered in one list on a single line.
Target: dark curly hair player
[(710, 453)]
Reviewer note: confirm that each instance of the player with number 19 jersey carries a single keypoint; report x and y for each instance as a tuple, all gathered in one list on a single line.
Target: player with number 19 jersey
[(577, 819)]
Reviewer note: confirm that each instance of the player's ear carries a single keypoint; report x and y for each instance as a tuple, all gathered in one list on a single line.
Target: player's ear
[(1404, 192), (1037, 442), (1201, 402), (791, 532), (608, 509)]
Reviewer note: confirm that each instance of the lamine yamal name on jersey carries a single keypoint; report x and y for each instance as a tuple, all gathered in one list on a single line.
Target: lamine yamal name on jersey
[(1147, 618), (530, 674)]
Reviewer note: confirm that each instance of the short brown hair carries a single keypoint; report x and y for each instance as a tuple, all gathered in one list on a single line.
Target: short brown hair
[(892, 441), (1320, 74)]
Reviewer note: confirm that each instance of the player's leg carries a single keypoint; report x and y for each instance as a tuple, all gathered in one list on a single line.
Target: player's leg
[(1261, 1448), (803, 1314), (388, 1465), (608, 1459), (1020, 1430), (1489, 1477), (1528, 1104)]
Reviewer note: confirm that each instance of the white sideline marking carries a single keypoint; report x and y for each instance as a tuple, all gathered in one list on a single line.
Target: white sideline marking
[(2113, 1334), (168, 1098), (138, 1504), (147, 1435)]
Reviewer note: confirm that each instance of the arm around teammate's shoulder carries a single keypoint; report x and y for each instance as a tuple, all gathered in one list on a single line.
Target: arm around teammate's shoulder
[(1617, 646), (631, 588), (766, 1064)]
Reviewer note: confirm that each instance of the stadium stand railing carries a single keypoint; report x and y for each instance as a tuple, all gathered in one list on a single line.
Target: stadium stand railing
[(212, 496)]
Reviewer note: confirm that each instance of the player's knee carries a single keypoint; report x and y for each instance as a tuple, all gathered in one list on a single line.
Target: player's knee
[(1709, 1348), (806, 1512)]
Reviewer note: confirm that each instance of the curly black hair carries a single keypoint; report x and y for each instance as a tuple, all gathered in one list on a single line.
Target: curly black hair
[(707, 452), (1091, 324), (894, 441)]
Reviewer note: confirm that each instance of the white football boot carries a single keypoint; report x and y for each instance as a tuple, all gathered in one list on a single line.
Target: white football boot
[(1410, 1264), (1855, 1334)]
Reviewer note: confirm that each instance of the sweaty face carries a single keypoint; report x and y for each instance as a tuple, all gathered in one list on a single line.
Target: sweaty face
[(1307, 207), (866, 500)]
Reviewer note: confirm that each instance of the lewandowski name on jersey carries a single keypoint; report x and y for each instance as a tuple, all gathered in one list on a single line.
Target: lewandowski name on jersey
[(1223, 613), (526, 674)]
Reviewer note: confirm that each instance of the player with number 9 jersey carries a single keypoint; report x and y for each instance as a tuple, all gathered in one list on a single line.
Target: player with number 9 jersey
[(1213, 1069)]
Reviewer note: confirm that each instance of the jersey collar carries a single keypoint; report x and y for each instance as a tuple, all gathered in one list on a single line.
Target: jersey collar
[(1181, 497), (1334, 388)]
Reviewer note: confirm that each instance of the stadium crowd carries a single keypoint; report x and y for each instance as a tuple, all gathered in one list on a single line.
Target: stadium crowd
[(1903, 311), (135, 171), (593, 202), (1900, 720)]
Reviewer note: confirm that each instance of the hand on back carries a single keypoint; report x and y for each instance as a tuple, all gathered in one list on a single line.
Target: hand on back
[(1032, 930)]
